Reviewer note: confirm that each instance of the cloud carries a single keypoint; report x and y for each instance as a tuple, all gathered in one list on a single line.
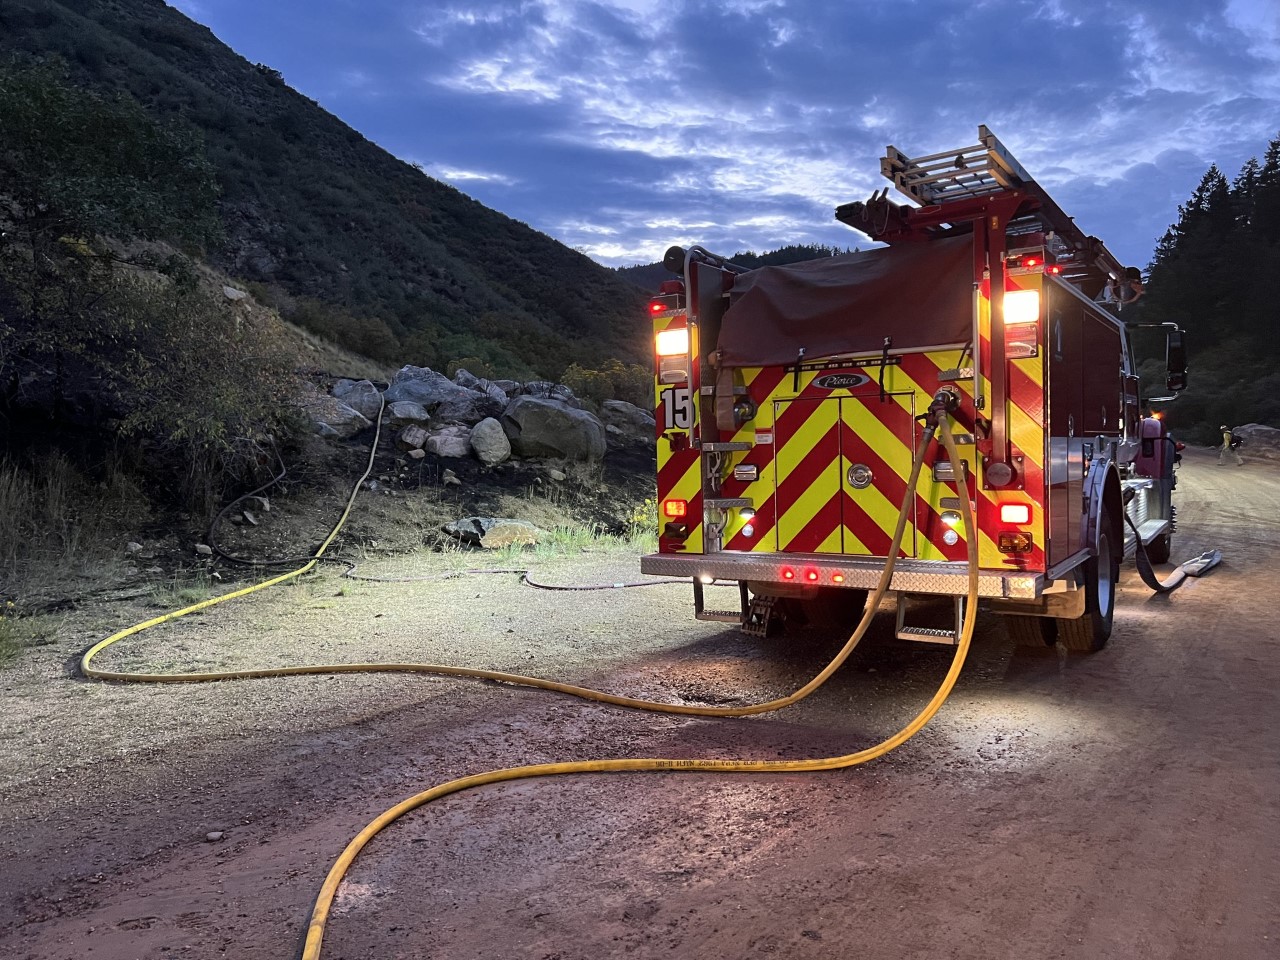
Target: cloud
[(621, 126)]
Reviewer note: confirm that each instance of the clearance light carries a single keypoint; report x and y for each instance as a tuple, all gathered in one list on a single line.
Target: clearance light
[(837, 578), (1011, 542), (673, 342), (1015, 513), (1021, 306), (788, 573), (811, 575), (675, 508), (1053, 268)]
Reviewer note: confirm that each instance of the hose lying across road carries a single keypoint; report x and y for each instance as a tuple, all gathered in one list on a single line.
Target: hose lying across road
[(936, 421)]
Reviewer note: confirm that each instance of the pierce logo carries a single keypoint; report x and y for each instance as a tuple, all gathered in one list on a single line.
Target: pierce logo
[(840, 381)]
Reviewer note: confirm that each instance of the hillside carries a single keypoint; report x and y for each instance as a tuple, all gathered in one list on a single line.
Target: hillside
[(311, 209)]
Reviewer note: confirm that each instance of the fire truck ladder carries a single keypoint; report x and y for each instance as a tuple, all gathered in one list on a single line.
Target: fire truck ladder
[(983, 170)]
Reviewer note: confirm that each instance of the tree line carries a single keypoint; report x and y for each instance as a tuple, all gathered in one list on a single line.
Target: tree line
[(1214, 274)]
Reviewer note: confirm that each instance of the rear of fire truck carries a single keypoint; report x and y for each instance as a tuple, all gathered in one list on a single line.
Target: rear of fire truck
[(789, 403)]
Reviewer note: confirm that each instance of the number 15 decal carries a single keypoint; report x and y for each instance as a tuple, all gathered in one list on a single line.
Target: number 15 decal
[(678, 404)]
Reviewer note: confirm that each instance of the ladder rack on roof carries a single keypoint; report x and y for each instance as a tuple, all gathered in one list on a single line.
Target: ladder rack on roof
[(984, 168), (955, 186)]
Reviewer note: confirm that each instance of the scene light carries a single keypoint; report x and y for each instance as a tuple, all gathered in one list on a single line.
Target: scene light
[(1015, 513), (673, 342), (1021, 306)]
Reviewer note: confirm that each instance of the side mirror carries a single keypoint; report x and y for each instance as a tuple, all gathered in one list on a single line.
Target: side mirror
[(1175, 359)]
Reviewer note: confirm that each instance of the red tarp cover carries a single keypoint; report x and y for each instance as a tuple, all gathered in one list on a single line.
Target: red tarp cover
[(920, 294)]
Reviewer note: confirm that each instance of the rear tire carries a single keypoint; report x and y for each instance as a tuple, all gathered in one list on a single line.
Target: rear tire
[(1090, 633), (1035, 632)]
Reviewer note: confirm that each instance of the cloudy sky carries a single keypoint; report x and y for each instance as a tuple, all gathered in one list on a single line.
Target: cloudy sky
[(620, 127)]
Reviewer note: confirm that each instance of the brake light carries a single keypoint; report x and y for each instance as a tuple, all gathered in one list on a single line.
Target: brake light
[(1015, 513), (811, 575), (675, 508), (788, 574)]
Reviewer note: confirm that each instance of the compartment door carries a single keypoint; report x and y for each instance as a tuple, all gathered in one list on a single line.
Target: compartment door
[(877, 441), (807, 475)]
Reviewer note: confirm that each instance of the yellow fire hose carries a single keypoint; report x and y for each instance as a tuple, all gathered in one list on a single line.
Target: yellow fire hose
[(937, 422)]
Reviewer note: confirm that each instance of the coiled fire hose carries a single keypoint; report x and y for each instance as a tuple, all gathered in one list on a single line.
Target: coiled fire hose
[(935, 422)]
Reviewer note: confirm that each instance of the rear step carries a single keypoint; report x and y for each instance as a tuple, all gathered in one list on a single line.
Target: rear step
[(949, 636), (741, 617)]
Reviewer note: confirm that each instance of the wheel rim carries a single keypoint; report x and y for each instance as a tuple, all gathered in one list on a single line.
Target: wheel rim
[(1106, 579)]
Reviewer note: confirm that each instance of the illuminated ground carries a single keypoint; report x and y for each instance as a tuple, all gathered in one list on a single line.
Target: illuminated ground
[(1121, 805)]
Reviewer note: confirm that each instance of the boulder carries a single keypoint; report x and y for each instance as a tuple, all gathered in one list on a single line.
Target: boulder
[(489, 442), (359, 395), (412, 437), (539, 427), (1259, 441), (443, 399), (492, 533), (341, 421), (546, 390), (404, 412), (445, 445), (470, 381), (630, 420)]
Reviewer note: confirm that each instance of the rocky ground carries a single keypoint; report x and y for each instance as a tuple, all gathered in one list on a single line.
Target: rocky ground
[(1117, 805)]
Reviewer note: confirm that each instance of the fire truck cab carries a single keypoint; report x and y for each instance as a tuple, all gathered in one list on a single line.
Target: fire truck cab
[(789, 402)]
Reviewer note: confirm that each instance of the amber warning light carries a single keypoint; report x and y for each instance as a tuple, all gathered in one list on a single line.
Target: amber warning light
[(675, 508)]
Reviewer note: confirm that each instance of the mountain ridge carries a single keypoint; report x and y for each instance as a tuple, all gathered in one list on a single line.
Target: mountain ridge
[(313, 209)]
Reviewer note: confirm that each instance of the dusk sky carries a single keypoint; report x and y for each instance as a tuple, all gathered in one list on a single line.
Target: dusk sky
[(620, 127)]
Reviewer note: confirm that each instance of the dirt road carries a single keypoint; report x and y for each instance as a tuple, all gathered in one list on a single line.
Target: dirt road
[(1121, 805)]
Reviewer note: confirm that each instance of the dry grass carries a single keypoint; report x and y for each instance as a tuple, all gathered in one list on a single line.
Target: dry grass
[(57, 528)]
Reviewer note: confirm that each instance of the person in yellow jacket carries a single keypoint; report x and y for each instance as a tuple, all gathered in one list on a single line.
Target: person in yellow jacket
[(1227, 449)]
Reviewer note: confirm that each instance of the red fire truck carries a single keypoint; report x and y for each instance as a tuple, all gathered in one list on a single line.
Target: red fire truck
[(789, 403)]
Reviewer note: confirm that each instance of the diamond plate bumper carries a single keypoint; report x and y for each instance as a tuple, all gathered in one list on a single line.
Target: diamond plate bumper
[(821, 570)]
